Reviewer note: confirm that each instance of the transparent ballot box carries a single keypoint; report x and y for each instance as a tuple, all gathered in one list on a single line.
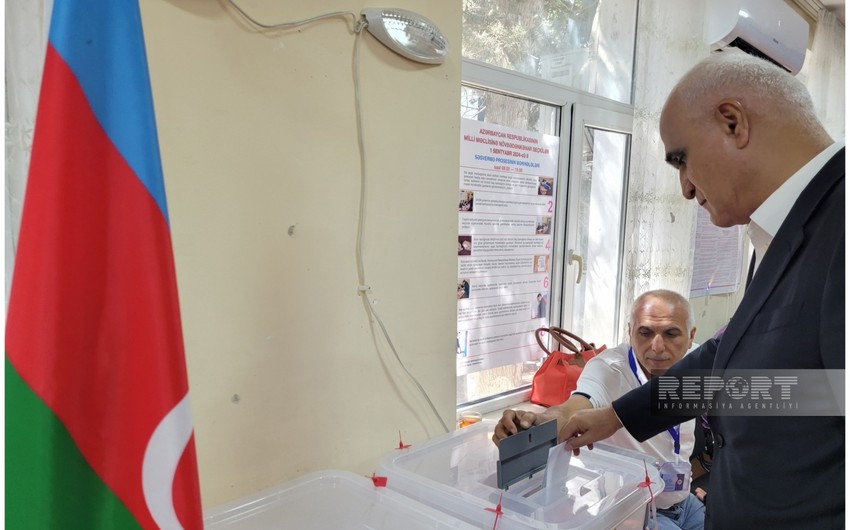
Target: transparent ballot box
[(329, 500), (456, 473)]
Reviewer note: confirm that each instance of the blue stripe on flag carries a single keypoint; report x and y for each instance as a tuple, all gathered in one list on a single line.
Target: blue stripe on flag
[(102, 43)]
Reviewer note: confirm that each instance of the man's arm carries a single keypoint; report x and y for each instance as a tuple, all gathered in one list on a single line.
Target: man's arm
[(633, 410)]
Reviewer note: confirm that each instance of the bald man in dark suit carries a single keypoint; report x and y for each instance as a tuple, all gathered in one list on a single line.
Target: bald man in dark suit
[(749, 149)]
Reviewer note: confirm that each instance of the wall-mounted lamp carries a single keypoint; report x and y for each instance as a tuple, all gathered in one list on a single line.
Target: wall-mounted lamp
[(408, 34)]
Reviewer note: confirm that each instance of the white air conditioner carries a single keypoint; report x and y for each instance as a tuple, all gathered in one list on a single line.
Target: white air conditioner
[(767, 28)]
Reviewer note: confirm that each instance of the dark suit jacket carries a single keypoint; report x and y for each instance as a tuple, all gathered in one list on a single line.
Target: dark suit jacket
[(776, 472)]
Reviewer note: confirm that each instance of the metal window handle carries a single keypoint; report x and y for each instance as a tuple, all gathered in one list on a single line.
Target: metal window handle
[(575, 257)]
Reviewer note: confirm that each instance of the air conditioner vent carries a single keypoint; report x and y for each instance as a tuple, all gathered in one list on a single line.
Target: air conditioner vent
[(769, 29)]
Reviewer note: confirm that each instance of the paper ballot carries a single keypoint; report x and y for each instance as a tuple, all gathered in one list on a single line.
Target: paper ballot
[(557, 467)]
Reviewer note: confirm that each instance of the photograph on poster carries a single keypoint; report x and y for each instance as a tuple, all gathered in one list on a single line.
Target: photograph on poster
[(545, 186), (464, 245), (541, 306), (462, 289), (466, 198), (544, 225), (541, 263)]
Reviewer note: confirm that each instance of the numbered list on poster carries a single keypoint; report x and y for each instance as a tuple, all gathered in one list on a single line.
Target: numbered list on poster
[(505, 220)]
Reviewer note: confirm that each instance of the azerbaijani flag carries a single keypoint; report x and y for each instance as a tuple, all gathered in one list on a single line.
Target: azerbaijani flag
[(98, 424)]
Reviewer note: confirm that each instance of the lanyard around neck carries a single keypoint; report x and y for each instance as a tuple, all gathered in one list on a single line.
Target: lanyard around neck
[(674, 431)]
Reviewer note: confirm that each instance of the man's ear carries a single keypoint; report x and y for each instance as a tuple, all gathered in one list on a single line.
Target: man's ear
[(732, 116)]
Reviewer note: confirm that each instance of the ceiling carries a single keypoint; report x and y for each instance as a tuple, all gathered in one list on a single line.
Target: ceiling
[(813, 6), (837, 6)]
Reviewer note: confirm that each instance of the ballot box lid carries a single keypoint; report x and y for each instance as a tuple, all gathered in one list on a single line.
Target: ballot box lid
[(456, 473), (329, 500)]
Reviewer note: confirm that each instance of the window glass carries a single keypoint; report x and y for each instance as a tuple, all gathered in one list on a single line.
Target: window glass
[(599, 239), (583, 44), (509, 165)]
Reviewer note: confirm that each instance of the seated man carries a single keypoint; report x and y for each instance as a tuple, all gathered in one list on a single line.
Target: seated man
[(661, 331)]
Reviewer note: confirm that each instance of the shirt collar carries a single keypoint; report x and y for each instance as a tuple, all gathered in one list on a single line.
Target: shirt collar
[(766, 220)]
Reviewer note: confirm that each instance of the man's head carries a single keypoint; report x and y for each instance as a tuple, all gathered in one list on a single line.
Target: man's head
[(661, 329), (736, 127)]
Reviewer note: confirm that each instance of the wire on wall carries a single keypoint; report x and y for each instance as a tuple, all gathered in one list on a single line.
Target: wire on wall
[(363, 289)]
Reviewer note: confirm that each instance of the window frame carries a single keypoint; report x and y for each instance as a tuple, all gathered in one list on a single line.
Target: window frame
[(578, 110)]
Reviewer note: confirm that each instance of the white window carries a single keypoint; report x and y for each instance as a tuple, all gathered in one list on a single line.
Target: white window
[(532, 80), (583, 44)]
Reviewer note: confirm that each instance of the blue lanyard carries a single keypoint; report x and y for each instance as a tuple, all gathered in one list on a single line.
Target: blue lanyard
[(674, 431)]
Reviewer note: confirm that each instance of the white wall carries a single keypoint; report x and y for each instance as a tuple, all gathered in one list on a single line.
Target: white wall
[(258, 136)]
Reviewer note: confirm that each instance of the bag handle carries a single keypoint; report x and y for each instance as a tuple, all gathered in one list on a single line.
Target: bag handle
[(558, 332), (560, 340), (562, 337)]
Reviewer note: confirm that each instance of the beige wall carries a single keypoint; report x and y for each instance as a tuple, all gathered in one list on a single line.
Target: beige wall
[(713, 312), (258, 138)]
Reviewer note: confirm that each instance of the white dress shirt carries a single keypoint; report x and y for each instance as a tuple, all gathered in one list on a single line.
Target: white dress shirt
[(766, 220)]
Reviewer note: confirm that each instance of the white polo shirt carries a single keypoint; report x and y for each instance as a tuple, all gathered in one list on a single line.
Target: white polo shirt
[(608, 376)]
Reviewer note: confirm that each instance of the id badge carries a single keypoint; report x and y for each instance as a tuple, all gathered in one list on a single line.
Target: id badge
[(676, 476)]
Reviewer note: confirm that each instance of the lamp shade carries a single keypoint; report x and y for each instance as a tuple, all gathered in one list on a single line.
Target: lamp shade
[(408, 34)]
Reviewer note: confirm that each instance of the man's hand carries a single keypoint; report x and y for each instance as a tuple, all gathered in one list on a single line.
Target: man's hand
[(588, 426), (512, 422)]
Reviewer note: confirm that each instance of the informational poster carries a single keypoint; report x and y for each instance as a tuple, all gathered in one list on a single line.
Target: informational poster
[(506, 207), (717, 257)]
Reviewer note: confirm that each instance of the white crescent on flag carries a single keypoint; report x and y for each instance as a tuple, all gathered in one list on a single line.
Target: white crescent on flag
[(162, 454)]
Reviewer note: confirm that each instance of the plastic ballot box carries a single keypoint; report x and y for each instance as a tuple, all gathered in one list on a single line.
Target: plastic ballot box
[(330, 500), (456, 473)]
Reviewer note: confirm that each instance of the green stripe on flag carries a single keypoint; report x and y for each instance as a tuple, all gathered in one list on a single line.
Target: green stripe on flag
[(48, 482)]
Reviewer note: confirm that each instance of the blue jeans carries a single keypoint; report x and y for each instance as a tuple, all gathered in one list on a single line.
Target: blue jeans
[(686, 515)]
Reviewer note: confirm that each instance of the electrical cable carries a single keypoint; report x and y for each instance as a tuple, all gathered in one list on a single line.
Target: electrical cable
[(289, 25), (363, 289)]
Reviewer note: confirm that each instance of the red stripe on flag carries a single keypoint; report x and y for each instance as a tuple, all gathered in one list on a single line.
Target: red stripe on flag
[(93, 324), (186, 486)]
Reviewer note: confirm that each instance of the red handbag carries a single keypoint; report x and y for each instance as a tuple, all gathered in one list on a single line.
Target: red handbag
[(555, 380)]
